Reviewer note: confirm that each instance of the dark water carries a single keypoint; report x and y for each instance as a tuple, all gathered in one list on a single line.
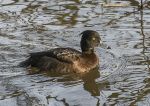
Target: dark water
[(36, 25)]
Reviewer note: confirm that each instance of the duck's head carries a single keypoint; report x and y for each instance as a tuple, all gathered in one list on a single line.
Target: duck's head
[(89, 40)]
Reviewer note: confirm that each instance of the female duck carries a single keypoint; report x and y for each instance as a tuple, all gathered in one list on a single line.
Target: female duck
[(65, 60)]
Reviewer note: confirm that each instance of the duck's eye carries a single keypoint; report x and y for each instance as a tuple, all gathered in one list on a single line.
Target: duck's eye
[(93, 38)]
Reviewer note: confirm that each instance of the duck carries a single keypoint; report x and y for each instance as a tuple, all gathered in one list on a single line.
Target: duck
[(68, 60)]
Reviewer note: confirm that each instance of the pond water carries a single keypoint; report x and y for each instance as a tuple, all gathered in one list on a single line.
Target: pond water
[(36, 25)]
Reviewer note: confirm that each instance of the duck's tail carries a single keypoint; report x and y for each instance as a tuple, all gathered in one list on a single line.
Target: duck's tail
[(25, 63)]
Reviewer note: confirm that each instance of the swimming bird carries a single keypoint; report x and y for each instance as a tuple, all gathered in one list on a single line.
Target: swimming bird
[(64, 60)]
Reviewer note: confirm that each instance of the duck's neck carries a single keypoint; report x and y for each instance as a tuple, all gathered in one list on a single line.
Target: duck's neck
[(88, 51)]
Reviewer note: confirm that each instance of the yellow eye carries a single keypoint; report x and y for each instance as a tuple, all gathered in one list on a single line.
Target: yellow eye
[(93, 38)]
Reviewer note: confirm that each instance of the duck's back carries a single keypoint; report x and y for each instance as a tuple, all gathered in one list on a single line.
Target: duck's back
[(52, 58)]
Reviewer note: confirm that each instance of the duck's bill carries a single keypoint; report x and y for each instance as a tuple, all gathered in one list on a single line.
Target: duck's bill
[(104, 46)]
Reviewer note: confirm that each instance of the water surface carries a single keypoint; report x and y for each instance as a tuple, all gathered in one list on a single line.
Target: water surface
[(36, 25)]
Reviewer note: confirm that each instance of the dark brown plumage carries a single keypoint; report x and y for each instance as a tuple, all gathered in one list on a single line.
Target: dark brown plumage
[(64, 60)]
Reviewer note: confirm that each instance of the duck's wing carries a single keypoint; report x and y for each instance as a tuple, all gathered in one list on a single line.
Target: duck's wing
[(65, 54), (62, 54)]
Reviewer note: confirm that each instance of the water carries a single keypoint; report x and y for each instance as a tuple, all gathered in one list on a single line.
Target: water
[(36, 25)]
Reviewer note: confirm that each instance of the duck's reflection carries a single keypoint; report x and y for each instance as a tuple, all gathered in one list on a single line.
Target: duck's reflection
[(90, 84), (88, 79)]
